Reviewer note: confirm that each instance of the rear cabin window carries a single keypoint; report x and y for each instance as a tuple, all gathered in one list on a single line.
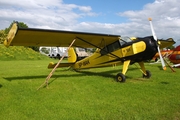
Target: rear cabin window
[(110, 48)]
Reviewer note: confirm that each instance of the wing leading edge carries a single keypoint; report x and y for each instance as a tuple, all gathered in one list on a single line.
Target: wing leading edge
[(45, 37)]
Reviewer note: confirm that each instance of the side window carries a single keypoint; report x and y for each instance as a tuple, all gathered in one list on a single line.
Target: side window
[(114, 46), (104, 51), (122, 42), (178, 57), (110, 48)]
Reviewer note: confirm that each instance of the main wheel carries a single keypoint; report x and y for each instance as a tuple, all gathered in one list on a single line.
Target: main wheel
[(148, 74), (120, 77)]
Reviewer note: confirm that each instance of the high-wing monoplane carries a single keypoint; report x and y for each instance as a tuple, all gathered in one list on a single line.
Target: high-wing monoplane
[(111, 49)]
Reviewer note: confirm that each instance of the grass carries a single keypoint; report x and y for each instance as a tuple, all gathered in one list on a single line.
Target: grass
[(89, 94), (19, 53)]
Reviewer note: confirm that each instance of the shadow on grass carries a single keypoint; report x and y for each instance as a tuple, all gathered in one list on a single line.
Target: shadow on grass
[(0, 86), (27, 77), (106, 74), (82, 73), (165, 83)]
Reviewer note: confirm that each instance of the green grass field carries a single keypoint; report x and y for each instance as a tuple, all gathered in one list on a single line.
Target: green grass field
[(88, 94)]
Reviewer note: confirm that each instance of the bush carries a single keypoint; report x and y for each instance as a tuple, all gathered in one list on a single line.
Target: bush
[(20, 53)]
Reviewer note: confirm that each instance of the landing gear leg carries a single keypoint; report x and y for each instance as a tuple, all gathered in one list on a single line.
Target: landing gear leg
[(120, 77), (146, 73)]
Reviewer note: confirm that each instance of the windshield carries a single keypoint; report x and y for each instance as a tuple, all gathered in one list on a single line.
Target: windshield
[(124, 40)]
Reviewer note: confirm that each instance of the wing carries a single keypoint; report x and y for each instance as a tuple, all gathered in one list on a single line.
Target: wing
[(45, 37)]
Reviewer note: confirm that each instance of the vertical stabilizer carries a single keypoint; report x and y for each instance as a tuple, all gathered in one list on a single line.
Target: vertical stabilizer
[(72, 56)]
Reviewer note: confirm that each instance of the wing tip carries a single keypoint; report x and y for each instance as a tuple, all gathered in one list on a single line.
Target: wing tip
[(11, 34)]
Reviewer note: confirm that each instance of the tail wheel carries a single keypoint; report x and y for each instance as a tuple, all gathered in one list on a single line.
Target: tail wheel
[(120, 77), (148, 74)]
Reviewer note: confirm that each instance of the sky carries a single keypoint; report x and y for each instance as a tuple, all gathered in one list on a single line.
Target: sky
[(119, 17)]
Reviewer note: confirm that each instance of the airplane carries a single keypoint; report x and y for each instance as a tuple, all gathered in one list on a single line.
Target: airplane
[(174, 57), (164, 53), (110, 49)]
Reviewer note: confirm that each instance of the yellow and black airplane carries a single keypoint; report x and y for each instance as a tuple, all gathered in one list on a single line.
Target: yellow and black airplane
[(111, 49)]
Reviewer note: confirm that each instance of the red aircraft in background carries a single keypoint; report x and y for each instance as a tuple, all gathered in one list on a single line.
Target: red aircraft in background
[(175, 56), (172, 55), (164, 53)]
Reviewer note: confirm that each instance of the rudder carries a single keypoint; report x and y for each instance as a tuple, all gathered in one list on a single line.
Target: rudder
[(72, 56)]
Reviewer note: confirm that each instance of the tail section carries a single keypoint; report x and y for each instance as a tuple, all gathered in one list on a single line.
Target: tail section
[(52, 65), (72, 56)]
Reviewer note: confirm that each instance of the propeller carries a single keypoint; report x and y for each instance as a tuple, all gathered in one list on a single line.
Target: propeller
[(155, 38)]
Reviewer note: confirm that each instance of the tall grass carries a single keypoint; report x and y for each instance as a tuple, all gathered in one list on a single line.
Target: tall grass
[(88, 94), (19, 53)]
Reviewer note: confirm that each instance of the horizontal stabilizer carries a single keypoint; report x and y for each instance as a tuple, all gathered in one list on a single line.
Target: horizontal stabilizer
[(166, 43), (52, 65)]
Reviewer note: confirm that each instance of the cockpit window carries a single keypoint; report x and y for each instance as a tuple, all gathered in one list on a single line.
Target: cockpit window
[(124, 40)]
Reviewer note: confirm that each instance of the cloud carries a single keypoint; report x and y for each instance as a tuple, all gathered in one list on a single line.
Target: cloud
[(39, 13), (166, 18), (56, 14)]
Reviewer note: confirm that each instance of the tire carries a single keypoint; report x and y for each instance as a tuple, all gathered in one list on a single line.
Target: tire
[(58, 56), (120, 77), (148, 74)]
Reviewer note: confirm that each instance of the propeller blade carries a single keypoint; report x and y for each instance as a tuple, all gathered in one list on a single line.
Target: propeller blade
[(155, 38), (162, 60)]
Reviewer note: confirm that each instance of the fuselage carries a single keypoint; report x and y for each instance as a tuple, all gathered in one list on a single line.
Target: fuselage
[(175, 56), (140, 49)]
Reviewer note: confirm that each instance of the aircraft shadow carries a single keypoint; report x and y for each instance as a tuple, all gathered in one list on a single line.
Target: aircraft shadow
[(107, 74)]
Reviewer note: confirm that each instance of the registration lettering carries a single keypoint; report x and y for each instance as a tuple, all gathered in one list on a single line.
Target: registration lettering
[(84, 63), (128, 50)]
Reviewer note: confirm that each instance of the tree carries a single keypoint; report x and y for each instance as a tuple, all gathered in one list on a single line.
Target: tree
[(2, 36), (4, 33), (20, 24), (171, 47)]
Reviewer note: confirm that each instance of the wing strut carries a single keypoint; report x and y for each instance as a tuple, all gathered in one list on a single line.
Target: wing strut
[(53, 70)]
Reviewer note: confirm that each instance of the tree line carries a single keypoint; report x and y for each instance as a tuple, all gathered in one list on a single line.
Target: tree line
[(4, 33)]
